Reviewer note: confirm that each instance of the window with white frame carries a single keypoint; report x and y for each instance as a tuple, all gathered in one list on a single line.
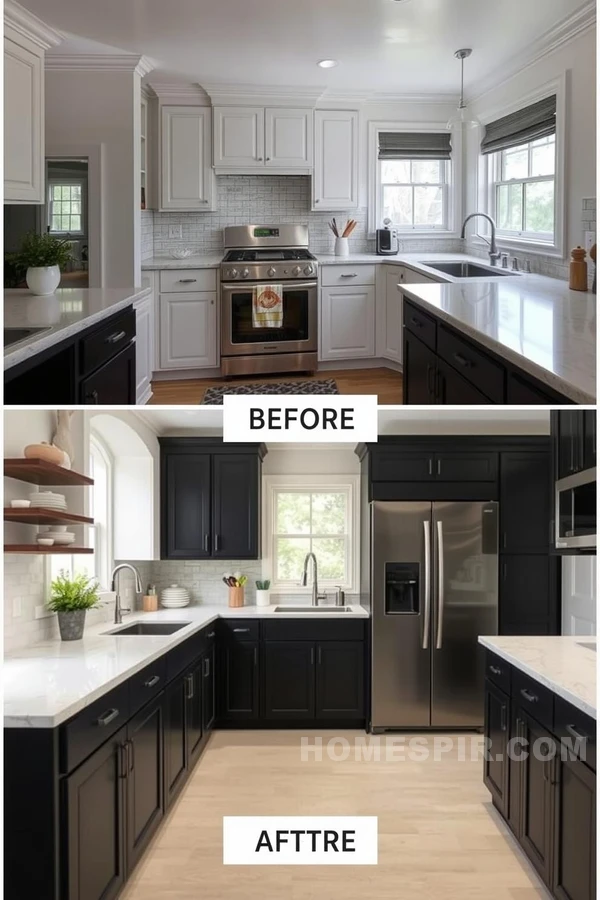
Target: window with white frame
[(312, 516), (65, 207), (524, 190), (413, 193)]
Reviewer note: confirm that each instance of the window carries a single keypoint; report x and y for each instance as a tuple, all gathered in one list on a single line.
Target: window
[(312, 517), (524, 190), (413, 193), (65, 207)]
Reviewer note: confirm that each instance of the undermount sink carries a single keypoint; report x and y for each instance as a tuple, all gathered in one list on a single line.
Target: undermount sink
[(587, 645), (467, 270), (14, 335), (146, 628), (309, 610)]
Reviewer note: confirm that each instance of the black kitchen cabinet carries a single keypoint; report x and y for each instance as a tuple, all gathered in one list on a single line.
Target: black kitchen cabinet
[(574, 437), (51, 382), (452, 389), (113, 383), (466, 466), (574, 875), (419, 372), (289, 680), (209, 699), (95, 822), (145, 778), (528, 595), (537, 797), (525, 496), (340, 680), (175, 737), (496, 761), (238, 679), (210, 499), (589, 438), (194, 713), (522, 391)]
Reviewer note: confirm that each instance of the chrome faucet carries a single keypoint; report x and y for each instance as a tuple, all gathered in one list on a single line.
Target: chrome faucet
[(493, 251), (119, 610), (316, 596)]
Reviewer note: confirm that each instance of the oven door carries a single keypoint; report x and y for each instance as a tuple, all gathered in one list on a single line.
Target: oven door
[(298, 332), (576, 511)]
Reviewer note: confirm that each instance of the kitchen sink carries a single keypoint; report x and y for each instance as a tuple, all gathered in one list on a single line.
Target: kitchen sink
[(309, 610), (145, 628), (467, 270), (587, 645), (14, 335)]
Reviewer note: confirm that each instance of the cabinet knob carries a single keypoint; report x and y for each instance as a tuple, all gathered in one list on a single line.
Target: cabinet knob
[(92, 397)]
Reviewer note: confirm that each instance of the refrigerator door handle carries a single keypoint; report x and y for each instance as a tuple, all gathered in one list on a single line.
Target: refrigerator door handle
[(440, 610), (427, 613)]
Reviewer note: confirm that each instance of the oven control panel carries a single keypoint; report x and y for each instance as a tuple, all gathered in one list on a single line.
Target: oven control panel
[(283, 272)]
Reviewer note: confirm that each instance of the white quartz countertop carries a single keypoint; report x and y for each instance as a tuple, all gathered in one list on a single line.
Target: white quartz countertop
[(202, 261), (62, 315), (49, 682), (561, 664)]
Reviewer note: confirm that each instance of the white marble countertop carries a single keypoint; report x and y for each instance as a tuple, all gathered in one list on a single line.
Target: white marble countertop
[(559, 663), (62, 315), (201, 261), (49, 682)]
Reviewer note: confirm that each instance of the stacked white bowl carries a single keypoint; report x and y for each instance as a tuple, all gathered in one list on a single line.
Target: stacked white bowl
[(48, 500), (175, 597), (59, 534)]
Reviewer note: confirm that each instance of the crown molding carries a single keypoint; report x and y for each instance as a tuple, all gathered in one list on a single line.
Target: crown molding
[(25, 23), (261, 94), (373, 96), (100, 62), (581, 21), (171, 92)]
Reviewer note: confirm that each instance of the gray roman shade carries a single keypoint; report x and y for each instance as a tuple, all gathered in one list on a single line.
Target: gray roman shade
[(408, 145), (529, 124)]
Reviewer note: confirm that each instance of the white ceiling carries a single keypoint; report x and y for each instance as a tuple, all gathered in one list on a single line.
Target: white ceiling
[(382, 45)]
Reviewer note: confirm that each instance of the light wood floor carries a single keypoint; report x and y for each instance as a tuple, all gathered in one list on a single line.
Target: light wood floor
[(439, 838), (386, 383)]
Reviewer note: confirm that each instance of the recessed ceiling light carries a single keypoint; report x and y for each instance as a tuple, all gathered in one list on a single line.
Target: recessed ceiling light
[(327, 63)]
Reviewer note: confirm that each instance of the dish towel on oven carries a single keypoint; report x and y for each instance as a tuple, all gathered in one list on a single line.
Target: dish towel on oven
[(267, 306)]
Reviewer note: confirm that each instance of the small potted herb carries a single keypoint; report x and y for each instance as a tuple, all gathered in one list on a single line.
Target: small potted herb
[(42, 255), (71, 598), (263, 593)]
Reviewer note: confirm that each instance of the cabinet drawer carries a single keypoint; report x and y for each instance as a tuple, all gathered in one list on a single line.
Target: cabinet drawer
[(473, 365), (498, 671), (175, 281), (94, 725), (240, 629), (184, 655), (570, 723), (145, 685), (345, 276), (533, 698), (420, 324), (98, 347), (307, 629)]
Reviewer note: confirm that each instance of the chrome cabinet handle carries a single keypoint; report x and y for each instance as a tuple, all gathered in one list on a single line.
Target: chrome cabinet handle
[(462, 360), (130, 758), (206, 667), (187, 281), (190, 687), (578, 735), (531, 698), (152, 681), (211, 634), (122, 760), (108, 717), (495, 670), (116, 337), (503, 717), (92, 396), (241, 630), (439, 469), (440, 623), (352, 275), (207, 543), (217, 543), (427, 616)]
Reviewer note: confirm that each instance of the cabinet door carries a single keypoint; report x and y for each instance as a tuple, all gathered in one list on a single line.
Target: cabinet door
[(568, 438), (193, 714), (145, 779), (347, 323), (589, 438), (288, 138), (209, 706), (526, 600), (335, 179), (525, 486), (236, 513), (392, 315), (188, 330), (239, 680), (521, 391), (23, 123), (466, 466), (454, 390), (419, 372), (537, 806), (574, 831), (239, 137), (94, 842), (496, 762), (340, 680), (47, 383), (114, 383), (144, 353), (185, 506), (175, 738), (186, 171), (289, 679)]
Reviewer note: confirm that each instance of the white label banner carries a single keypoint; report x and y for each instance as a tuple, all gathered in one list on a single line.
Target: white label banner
[(300, 840), (295, 417)]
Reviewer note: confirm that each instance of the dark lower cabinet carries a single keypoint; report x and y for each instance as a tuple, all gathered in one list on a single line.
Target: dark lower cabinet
[(454, 390), (496, 761), (537, 797), (194, 714), (340, 680), (175, 737), (239, 680), (528, 595), (289, 679), (419, 372), (574, 876), (95, 823), (114, 383), (145, 781), (209, 698)]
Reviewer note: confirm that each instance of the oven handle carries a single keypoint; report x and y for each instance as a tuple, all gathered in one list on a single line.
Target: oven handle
[(230, 287)]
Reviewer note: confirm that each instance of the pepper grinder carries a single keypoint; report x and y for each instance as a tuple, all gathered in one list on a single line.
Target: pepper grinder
[(578, 280)]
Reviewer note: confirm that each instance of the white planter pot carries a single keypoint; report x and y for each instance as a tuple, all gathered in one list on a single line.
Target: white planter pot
[(263, 598), (43, 280)]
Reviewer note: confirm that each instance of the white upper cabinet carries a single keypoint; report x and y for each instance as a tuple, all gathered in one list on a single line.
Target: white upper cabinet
[(335, 179), (186, 172), (23, 120), (239, 137), (288, 138)]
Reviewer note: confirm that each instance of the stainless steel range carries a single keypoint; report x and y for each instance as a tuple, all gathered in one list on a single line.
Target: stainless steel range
[(259, 255)]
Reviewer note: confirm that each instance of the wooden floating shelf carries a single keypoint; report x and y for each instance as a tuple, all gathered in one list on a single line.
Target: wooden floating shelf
[(37, 471), (39, 548), (38, 515)]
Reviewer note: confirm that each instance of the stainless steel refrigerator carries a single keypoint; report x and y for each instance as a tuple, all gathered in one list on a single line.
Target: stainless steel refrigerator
[(434, 590)]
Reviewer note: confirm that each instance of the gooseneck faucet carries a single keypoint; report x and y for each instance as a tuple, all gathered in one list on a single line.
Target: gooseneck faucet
[(316, 596), (493, 251), (119, 610)]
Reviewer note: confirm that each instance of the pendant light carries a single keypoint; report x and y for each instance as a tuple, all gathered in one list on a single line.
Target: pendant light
[(462, 116)]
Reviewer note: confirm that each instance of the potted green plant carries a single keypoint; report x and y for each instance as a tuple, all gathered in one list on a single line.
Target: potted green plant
[(42, 255), (70, 598), (263, 593)]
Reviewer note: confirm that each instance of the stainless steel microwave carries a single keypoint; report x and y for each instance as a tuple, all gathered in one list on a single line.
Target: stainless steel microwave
[(576, 511)]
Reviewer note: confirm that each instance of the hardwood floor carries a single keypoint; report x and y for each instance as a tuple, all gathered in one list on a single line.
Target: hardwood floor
[(439, 838), (386, 383)]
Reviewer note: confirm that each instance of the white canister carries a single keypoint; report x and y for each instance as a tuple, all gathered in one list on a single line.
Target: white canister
[(42, 280), (263, 598), (342, 246)]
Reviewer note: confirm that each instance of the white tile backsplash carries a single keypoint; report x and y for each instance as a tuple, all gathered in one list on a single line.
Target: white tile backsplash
[(147, 233)]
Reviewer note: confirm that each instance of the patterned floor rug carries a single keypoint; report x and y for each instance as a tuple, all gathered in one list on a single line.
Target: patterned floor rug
[(214, 395)]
